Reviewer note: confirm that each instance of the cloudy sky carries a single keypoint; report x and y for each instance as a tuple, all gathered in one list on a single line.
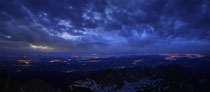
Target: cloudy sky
[(141, 26)]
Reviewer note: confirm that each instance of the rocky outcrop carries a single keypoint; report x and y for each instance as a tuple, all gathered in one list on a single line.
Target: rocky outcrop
[(8, 85), (36, 85)]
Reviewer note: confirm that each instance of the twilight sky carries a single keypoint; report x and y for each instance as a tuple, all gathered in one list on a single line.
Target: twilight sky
[(122, 26)]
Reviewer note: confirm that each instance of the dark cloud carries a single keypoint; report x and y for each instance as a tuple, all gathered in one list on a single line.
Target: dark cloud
[(106, 25)]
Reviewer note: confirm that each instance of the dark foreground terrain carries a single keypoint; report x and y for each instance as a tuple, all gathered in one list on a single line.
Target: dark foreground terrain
[(182, 74)]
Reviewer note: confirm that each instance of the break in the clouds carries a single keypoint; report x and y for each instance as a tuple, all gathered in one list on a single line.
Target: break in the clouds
[(105, 25)]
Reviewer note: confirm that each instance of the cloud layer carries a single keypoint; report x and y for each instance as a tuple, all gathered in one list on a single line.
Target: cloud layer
[(106, 25)]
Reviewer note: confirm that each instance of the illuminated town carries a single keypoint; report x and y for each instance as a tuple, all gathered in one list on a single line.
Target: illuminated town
[(70, 64)]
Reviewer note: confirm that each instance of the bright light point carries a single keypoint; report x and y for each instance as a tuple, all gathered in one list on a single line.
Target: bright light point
[(40, 47)]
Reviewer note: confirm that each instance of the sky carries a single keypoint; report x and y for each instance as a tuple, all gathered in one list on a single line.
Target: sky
[(105, 26)]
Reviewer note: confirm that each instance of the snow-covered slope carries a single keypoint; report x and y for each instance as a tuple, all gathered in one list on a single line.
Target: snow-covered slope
[(141, 85)]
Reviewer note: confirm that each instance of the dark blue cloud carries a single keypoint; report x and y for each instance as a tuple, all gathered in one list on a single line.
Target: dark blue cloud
[(106, 25)]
